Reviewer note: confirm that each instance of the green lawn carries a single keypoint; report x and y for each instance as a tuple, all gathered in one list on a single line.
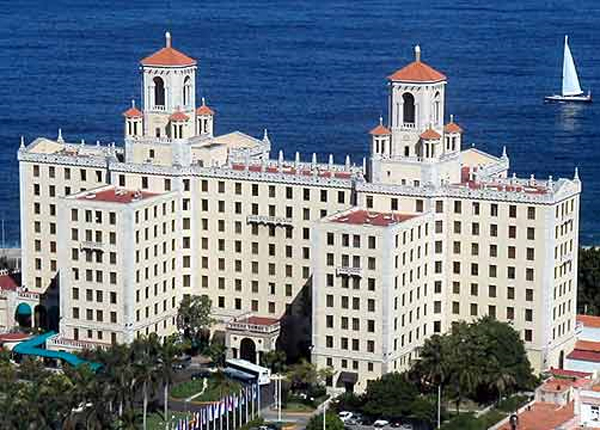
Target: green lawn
[(297, 407), (467, 421), (155, 420), (216, 389)]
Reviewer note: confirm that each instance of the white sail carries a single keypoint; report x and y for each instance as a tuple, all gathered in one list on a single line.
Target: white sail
[(570, 83)]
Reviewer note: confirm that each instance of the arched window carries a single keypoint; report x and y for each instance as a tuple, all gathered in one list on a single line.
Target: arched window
[(436, 107), (159, 92), (187, 91), (409, 108)]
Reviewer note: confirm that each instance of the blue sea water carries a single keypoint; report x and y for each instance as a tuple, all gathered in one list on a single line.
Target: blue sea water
[(312, 72)]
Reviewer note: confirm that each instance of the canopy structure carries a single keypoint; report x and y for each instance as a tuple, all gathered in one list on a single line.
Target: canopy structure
[(35, 347), (23, 309), (347, 378)]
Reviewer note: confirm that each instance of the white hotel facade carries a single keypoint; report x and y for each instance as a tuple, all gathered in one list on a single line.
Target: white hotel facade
[(357, 264)]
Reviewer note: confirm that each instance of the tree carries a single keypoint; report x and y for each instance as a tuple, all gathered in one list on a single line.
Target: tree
[(274, 360), (390, 396), (217, 351), (588, 289), (145, 351), (332, 422), (193, 319), (167, 354)]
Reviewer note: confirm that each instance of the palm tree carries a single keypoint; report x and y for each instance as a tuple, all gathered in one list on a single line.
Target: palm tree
[(168, 352), (145, 352)]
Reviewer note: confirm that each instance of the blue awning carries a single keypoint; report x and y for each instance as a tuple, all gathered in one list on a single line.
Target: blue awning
[(23, 309)]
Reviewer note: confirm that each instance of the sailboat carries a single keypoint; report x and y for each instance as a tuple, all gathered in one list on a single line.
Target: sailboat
[(571, 90)]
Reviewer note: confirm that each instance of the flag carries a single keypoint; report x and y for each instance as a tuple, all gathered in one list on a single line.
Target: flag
[(222, 407), (198, 422), (229, 403), (203, 414), (210, 415), (235, 401)]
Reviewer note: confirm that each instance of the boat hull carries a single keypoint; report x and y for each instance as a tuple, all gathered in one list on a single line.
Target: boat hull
[(557, 98)]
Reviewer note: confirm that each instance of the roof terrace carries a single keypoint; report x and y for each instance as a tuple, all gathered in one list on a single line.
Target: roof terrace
[(377, 219), (114, 195)]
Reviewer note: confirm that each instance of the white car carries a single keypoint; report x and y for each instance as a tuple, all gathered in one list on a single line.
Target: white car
[(345, 416), (381, 423)]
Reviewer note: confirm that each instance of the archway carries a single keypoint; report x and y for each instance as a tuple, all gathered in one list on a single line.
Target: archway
[(187, 91), (561, 360), (159, 92), (40, 316), (248, 350), (409, 108), (23, 315)]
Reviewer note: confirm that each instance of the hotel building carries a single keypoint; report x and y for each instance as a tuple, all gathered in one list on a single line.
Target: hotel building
[(358, 264)]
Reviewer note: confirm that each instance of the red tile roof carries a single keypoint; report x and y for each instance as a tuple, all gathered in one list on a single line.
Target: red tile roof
[(586, 345), (543, 416), (178, 116), (204, 110), (8, 282), (430, 134), (261, 320), (581, 355), (13, 337), (115, 195), (380, 130), (452, 127), (378, 219), (569, 373), (168, 56), (133, 112), (417, 71), (589, 321)]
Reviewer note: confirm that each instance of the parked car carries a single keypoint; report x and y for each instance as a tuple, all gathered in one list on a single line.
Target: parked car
[(345, 416), (406, 427), (381, 423)]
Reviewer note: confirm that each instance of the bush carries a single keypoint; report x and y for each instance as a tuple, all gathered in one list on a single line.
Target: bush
[(332, 422), (513, 403)]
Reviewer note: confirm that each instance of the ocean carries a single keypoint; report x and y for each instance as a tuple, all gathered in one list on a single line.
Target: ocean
[(312, 72)]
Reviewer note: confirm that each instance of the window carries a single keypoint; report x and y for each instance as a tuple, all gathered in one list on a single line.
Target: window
[(408, 110), (159, 91), (531, 212), (512, 211), (457, 206)]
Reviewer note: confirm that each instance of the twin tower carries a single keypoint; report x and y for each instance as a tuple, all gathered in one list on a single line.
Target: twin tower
[(416, 146)]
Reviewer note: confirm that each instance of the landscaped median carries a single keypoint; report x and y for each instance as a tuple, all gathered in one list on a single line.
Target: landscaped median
[(216, 387)]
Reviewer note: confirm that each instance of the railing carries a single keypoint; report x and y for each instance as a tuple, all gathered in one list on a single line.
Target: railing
[(408, 126), (72, 343), (348, 271), (269, 220), (91, 245), (29, 295), (253, 328), (578, 328)]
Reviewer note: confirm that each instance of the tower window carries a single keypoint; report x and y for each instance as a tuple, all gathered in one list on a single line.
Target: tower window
[(187, 91), (409, 108), (159, 92)]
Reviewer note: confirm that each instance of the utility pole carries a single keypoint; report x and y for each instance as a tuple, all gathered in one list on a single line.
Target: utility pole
[(439, 408)]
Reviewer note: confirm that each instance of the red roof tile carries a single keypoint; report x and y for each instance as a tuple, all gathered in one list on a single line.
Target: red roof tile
[(543, 416), (178, 116), (133, 112), (581, 355), (115, 195), (7, 282), (14, 337), (569, 373), (204, 110), (430, 134), (452, 127), (168, 56), (380, 130), (586, 345), (589, 321), (261, 320), (417, 71), (377, 219)]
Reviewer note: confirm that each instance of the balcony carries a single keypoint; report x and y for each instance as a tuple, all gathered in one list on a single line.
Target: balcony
[(269, 220), (348, 271), (93, 246), (61, 342)]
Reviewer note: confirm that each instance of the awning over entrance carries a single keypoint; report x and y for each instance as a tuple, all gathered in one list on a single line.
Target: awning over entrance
[(347, 378), (23, 309)]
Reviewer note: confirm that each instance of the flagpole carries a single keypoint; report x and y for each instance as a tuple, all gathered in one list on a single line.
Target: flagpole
[(214, 416), (258, 389), (246, 391), (227, 410), (252, 392)]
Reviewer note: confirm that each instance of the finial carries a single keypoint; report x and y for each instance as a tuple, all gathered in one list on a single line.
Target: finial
[(380, 120), (97, 143), (347, 163), (203, 101), (280, 158), (22, 141), (60, 139), (82, 142), (504, 152), (417, 53), (575, 177), (133, 103), (330, 160), (451, 117), (364, 166), (266, 136), (314, 159), (168, 39)]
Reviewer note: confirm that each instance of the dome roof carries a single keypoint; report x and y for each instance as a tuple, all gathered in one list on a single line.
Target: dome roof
[(417, 71), (168, 56)]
